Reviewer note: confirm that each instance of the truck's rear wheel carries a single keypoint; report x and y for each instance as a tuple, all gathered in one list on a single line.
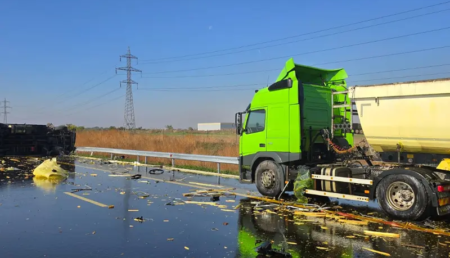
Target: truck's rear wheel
[(403, 197), (269, 178)]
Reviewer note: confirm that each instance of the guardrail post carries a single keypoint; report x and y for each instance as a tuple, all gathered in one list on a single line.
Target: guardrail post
[(137, 159), (173, 162), (218, 168), (145, 159), (92, 153), (112, 156)]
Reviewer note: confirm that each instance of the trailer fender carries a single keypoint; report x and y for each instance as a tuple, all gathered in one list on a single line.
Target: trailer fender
[(420, 175)]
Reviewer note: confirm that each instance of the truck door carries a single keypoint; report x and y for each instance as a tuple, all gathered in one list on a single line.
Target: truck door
[(253, 138)]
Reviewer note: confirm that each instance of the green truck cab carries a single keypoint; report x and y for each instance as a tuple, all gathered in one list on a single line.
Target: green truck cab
[(299, 129), (282, 127)]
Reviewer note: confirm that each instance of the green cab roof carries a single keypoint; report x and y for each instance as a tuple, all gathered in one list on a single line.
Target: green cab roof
[(312, 75)]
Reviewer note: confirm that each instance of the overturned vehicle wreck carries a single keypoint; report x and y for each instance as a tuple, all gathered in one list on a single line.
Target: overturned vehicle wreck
[(36, 140)]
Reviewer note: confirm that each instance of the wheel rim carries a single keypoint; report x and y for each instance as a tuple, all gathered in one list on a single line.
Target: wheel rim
[(268, 178), (400, 196)]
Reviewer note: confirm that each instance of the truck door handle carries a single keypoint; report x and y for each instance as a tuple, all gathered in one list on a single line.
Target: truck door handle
[(262, 145)]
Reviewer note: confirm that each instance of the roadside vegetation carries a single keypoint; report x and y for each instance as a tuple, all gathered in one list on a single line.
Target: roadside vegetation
[(220, 143)]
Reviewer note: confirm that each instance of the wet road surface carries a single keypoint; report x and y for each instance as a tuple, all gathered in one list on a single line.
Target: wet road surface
[(40, 219)]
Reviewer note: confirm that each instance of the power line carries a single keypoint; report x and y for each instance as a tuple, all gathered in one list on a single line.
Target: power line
[(87, 82), (277, 69), (39, 110), (239, 86), (301, 40), (5, 112), (212, 75), (385, 55), (129, 119), (400, 77), (305, 53), (101, 104), (94, 99), (208, 87), (397, 70), (303, 34)]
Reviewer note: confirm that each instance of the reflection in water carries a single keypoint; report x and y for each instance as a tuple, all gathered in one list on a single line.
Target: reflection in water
[(324, 237), (48, 184)]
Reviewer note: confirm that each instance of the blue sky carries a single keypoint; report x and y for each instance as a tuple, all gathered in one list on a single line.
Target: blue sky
[(53, 51)]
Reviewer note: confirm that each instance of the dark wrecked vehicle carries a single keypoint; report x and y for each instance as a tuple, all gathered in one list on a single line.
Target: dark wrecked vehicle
[(36, 140)]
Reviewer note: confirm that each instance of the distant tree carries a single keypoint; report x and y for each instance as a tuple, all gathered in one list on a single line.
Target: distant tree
[(169, 127), (71, 127), (112, 128), (80, 128), (191, 129)]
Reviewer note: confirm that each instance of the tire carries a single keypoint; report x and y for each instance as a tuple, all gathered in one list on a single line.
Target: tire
[(402, 206), (273, 175)]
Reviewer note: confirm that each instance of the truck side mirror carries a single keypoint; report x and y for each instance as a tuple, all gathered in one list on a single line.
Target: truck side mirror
[(238, 122)]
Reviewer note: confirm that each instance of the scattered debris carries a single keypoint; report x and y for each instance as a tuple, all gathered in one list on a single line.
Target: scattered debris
[(136, 176), (375, 251), (381, 234), (139, 219), (156, 171), (49, 168)]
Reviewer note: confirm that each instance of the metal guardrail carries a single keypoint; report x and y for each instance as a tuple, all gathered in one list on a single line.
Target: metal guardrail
[(173, 156)]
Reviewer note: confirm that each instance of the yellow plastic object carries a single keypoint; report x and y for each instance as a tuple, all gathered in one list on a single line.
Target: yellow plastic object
[(444, 165), (413, 115), (49, 169)]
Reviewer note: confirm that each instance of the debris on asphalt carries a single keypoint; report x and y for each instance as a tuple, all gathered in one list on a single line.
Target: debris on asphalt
[(375, 251), (49, 168), (81, 189), (136, 176), (139, 219), (381, 234), (156, 171)]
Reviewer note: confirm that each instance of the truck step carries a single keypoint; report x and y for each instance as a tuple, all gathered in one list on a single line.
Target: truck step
[(343, 179), (338, 195)]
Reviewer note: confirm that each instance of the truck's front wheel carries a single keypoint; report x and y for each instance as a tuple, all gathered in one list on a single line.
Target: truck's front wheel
[(403, 197), (269, 178)]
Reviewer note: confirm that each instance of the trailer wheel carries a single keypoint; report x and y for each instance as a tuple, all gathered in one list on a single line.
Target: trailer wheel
[(269, 178), (403, 197)]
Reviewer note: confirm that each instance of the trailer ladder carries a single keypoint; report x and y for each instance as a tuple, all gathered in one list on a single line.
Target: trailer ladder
[(344, 125)]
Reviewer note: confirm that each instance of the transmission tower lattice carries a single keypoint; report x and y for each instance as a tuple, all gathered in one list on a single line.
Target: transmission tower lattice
[(130, 122), (5, 111)]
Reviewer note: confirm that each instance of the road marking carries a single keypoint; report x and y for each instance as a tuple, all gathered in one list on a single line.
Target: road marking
[(87, 200)]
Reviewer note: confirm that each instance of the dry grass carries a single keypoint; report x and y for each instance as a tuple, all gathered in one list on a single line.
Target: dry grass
[(220, 143)]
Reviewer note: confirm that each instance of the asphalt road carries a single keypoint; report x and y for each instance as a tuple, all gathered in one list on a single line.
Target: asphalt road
[(44, 219)]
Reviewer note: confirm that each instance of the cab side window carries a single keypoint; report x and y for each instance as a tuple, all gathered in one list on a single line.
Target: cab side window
[(256, 121)]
